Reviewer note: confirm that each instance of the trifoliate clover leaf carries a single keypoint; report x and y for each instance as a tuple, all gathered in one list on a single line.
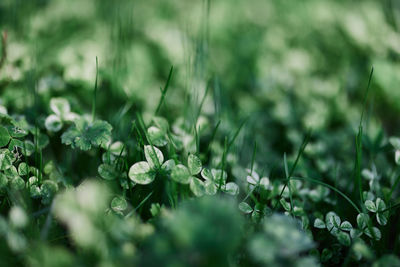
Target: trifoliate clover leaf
[(108, 171), (53, 123), (231, 188), (344, 238), (181, 174), (252, 178), (194, 164), (84, 135), (157, 136), (4, 136), (245, 208), (318, 223), (154, 156), (197, 187), (60, 106), (141, 173), (119, 204), (369, 205)]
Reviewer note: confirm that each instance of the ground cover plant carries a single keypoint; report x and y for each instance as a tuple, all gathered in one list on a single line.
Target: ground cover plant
[(209, 133)]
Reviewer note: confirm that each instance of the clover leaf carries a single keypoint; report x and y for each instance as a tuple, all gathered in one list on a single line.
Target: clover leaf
[(379, 207), (119, 204), (6, 159), (84, 134), (245, 208), (144, 172), (363, 222), (62, 113), (4, 136), (336, 227)]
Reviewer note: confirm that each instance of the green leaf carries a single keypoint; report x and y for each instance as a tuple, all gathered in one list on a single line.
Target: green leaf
[(344, 238), (346, 226), (60, 106), (141, 173), (180, 174), (84, 135), (17, 183), (157, 137), (3, 181), (318, 223), (362, 220), (395, 142), (219, 175), (197, 187), (107, 171), (380, 204), (16, 131), (23, 169), (375, 232), (194, 164), (381, 215), (6, 159), (47, 190), (326, 255), (154, 156), (245, 208), (53, 123), (119, 204), (206, 174), (369, 205), (4, 136), (168, 165), (211, 187), (332, 220), (161, 123), (231, 188), (117, 148), (285, 204)]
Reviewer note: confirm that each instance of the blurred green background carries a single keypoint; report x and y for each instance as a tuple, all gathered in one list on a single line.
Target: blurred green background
[(283, 66)]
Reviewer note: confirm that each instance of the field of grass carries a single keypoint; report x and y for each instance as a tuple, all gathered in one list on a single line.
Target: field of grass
[(199, 133)]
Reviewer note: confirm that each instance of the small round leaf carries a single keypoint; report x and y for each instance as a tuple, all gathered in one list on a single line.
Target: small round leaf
[(180, 174), (141, 173), (194, 164)]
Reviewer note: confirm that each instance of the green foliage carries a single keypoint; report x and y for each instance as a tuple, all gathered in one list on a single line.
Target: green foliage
[(84, 134), (219, 166)]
